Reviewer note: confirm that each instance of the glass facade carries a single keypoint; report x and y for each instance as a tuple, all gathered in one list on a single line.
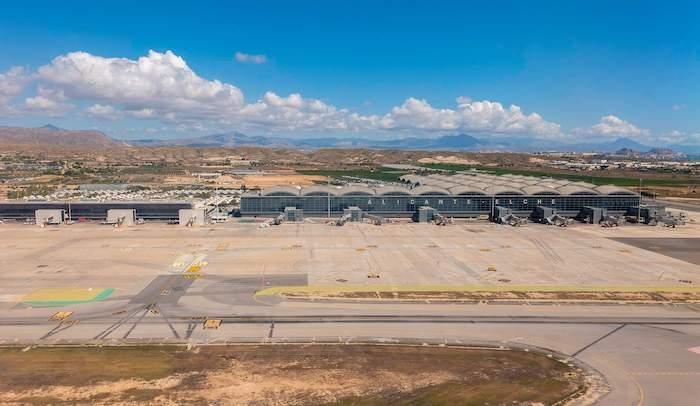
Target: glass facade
[(95, 210), (456, 206)]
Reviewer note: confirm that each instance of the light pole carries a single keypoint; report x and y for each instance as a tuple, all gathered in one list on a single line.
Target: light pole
[(329, 197)]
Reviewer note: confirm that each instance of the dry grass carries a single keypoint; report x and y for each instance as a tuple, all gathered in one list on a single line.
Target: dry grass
[(283, 375)]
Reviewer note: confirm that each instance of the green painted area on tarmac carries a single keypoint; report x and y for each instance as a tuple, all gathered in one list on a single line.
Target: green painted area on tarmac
[(104, 294)]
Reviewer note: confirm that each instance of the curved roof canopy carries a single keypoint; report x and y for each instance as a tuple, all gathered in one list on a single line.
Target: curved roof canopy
[(319, 191), (503, 190), (280, 191), (535, 190), (392, 191), (429, 190), (356, 190), (466, 190), (613, 190), (561, 182), (480, 185), (550, 185), (576, 190), (584, 184)]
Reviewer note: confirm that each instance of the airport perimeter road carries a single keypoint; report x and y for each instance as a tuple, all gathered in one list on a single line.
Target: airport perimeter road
[(649, 354)]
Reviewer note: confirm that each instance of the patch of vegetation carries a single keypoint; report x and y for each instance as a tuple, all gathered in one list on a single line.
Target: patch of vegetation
[(380, 174), (596, 180), (30, 190), (85, 366)]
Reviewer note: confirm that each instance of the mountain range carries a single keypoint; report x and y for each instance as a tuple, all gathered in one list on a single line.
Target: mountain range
[(458, 142), (51, 135)]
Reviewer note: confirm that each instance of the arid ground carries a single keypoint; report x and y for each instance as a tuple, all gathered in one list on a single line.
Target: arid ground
[(283, 375)]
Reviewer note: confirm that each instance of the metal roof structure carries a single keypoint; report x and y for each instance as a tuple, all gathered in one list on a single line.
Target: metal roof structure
[(466, 190), (356, 190), (392, 191), (319, 190), (613, 190), (459, 184), (513, 184), (281, 191), (429, 191), (535, 190)]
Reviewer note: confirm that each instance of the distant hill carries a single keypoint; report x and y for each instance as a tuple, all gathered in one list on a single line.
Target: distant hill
[(611, 146), (233, 139), (50, 135)]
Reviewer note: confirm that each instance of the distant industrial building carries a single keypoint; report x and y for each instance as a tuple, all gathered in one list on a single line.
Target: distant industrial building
[(460, 195)]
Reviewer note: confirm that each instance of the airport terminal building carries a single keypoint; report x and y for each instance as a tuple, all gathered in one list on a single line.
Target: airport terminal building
[(88, 210), (459, 195)]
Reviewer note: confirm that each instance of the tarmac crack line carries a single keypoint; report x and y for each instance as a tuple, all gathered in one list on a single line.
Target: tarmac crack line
[(603, 337)]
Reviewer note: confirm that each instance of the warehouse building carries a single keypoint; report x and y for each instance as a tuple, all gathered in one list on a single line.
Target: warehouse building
[(94, 210), (459, 195)]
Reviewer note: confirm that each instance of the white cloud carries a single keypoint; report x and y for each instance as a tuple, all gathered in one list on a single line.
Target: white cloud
[(161, 82), (680, 137), (613, 127), (101, 111), (12, 84), (52, 102), (295, 113), (471, 116), (250, 58), (161, 86)]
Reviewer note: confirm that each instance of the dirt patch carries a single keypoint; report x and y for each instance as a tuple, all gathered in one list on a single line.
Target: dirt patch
[(284, 375)]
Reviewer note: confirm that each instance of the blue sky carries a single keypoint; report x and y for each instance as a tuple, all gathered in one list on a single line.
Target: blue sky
[(577, 70)]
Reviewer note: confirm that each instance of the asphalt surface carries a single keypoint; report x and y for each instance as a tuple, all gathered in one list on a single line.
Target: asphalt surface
[(685, 249), (649, 354), (645, 352)]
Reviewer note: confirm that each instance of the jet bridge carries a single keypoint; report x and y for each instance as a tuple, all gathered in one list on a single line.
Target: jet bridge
[(504, 215), (549, 216)]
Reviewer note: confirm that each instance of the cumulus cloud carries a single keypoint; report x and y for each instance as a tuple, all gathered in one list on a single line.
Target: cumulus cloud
[(250, 58), (161, 82), (48, 101), (161, 86), (105, 112), (473, 116), (612, 127), (12, 84), (680, 138)]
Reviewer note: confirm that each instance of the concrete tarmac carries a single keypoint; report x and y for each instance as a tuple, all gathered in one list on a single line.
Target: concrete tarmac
[(649, 354)]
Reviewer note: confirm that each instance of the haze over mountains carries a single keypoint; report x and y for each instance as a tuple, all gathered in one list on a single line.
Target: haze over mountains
[(458, 142), (52, 135)]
